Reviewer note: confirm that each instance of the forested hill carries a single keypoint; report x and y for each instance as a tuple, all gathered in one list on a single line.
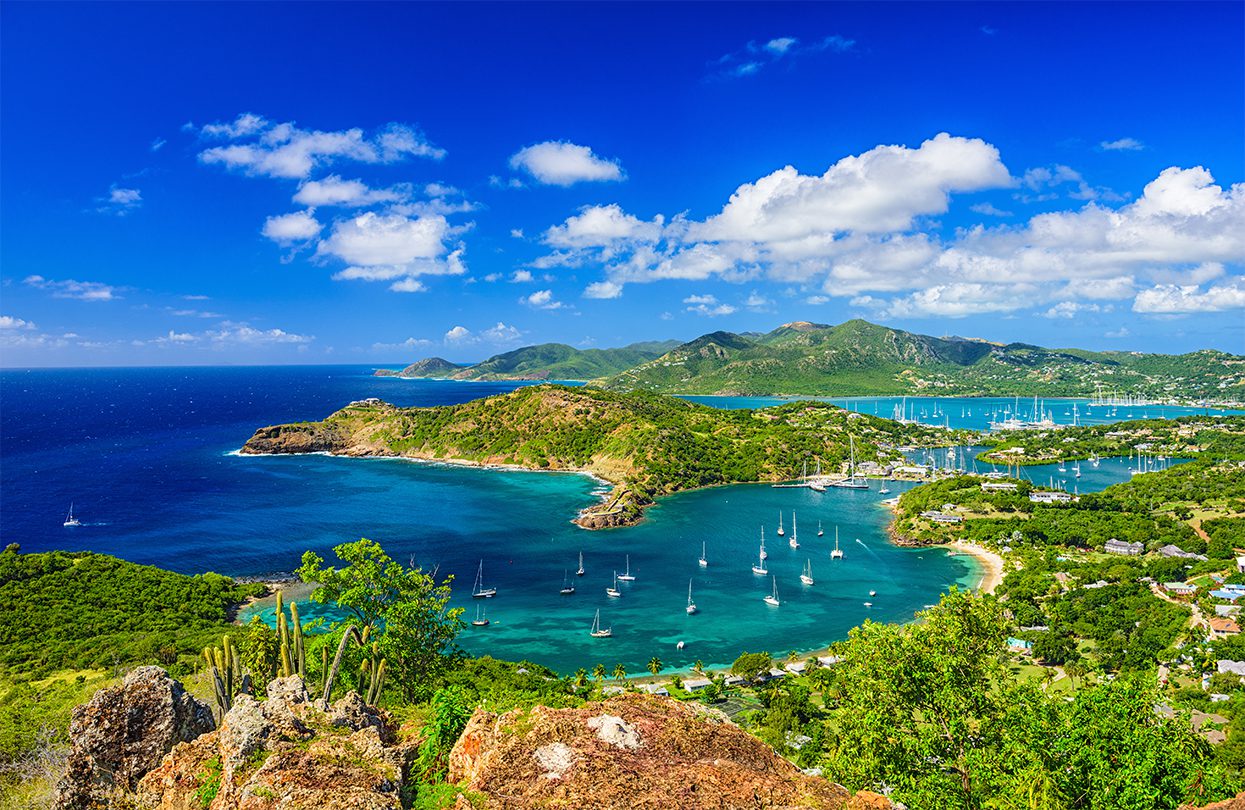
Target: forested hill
[(646, 444), (547, 361), (859, 358)]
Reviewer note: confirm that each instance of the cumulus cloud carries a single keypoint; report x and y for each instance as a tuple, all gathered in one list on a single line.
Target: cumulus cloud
[(862, 231), (78, 290), (119, 201), (707, 305), (1122, 145), (459, 334), (521, 277), (1182, 299), (408, 285), (389, 247), (333, 190), (541, 299), (288, 229), (1070, 309), (260, 147), (8, 322), (560, 163)]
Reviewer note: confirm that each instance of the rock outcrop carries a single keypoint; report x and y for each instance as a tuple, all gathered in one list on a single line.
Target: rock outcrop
[(296, 438), (124, 732), (289, 752), (631, 751)]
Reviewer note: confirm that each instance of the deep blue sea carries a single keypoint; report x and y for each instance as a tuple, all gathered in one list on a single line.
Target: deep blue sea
[(146, 458)]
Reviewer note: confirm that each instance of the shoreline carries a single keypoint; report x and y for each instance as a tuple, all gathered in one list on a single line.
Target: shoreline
[(993, 567)]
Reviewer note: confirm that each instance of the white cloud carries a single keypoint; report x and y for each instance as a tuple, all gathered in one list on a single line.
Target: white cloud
[(1182, 299), (333, 190), (759, 303), (1122, 332), (756, 56), (707, 305), (242, 334), (287, 229), (1122, 145), (603, 289), (194, 313), (459, 334), (541, 299), (385, 247), (119, 201), (600, 226), (78, 290), (175, 338), (408, 285), (989, 210), (157, 144), (516, 233), (284, 150), (409, 343), (8, 322), (560, 163), (521, 277), (1070, 309), (501, 333)]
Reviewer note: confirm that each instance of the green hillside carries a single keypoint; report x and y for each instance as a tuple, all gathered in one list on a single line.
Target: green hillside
[(546, 361), (858, 358), (647, 445)]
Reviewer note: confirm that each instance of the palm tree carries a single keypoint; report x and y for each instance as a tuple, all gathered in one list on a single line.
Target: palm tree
[(620, 672), (598, 672), (581, 677), (699, 666), (654, 665)]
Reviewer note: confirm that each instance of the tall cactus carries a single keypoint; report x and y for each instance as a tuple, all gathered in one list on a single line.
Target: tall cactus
[(222, 664), (293, 657), (372, 675)]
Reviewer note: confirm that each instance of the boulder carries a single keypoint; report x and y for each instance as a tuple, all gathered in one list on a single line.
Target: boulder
[(631, 751), (124, 732)]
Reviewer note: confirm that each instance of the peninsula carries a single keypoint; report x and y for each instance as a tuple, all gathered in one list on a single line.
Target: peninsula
[(645, 445)]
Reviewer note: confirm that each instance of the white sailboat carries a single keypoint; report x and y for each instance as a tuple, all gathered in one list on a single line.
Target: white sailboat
[(691, 606), (764, 553), (760, 568), (807, 576), (780, 529), (479, 591), (885, 490), (852, 481), (819, 531), (567, 587), (772, 598), (626, 576), (794, 541), (70, 520), (481, 619), (837, 554), (704, 559), (613, 589), (580, 572), (597, 630)]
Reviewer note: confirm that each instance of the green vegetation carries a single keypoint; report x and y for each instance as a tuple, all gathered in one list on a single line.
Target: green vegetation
[(648, 444), (1207, 437), (547, 361), (858, 358)]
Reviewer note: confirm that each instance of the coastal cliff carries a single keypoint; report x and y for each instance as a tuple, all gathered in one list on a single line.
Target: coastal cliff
[(646, 445)]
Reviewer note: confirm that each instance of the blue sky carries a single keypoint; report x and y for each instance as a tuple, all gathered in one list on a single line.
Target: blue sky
[(249, 183)]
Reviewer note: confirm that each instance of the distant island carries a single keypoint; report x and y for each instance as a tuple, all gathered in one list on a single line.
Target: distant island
[(858, 358), (645, 445)]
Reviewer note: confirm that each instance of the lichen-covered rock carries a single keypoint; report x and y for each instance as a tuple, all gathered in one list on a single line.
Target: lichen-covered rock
[(286, 752), (631, 751), (124, 732)]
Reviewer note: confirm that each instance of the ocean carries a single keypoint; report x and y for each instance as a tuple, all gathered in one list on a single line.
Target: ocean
[(147, 459)]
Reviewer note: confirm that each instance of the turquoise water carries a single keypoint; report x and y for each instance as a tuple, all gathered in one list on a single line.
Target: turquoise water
[(976, 413), (519, 524), (1109, 471)]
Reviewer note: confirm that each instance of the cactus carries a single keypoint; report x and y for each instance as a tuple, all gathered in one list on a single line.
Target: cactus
[(296, 630), (222, 663), (324, 666), (293, 655), (351, 634), (378, 683)]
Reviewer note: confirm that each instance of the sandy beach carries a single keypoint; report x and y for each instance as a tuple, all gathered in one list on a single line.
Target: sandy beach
[(992, 564)]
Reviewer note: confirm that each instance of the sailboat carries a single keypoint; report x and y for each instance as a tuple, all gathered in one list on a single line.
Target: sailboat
[(760, 568), (597, 630), (772, 598), (580, 572), (764, 553), (481, 619), (793, 542), (852, 481), (819, 531), (627, 577), (70, 520), (1076, 469), (704, 560), (613, 589), (567, 587), (691, 606), (837, 554), (807, 576), (479, 591), (780, 529), (885, 490)]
